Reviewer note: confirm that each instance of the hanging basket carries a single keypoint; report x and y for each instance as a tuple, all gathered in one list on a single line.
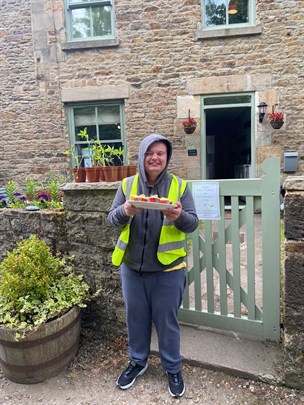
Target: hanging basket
[(189, 124), (189, 130), (276, 124)]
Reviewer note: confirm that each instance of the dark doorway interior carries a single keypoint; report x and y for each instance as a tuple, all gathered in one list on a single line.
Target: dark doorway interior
[(228, 142)]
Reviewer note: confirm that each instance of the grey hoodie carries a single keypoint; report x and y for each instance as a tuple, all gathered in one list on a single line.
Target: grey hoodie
[(141, 252)]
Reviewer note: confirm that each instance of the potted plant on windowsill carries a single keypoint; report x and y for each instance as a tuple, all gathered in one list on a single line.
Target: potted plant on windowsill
[(78, 172), (123, 170), (117, 171), (113, 168), (92, 173), (100, 158), (40, 301), (276, 119), (189, 124)]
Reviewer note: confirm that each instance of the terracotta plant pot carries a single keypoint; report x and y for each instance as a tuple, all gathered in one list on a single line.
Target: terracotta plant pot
[(122, 172), (100, 170), (132, 170), (92, 174), (79, 174), (110, 173)]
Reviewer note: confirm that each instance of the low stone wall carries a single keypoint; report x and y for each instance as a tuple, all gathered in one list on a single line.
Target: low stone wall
[(91, 240), (294, 283), (80, 229)]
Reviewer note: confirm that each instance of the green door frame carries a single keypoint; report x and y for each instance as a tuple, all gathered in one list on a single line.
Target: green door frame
[(213, 105)]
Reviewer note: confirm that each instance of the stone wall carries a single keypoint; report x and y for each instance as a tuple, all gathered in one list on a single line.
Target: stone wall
[(159, 56), (80, 230), (33, 127), (294, 282)]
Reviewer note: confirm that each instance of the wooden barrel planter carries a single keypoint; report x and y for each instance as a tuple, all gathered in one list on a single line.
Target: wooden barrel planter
[(43, 353)]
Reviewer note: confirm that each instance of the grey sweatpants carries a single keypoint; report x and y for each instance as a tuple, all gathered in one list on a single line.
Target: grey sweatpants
[(153, 298)]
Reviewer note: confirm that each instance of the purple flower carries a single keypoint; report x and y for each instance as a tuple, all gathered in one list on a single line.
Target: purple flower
[(2, 201), (44, 196)]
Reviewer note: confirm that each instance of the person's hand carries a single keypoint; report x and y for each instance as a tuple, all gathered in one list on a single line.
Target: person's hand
[(173, 213), (130, 210)]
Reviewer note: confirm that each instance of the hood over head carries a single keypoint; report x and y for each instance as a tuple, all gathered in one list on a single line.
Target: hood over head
[(143, 147)]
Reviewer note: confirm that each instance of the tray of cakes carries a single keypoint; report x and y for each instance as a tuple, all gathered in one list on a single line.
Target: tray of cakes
[(152, 202)]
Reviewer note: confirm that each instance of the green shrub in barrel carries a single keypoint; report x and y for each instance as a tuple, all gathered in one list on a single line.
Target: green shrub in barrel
[(40, 301)]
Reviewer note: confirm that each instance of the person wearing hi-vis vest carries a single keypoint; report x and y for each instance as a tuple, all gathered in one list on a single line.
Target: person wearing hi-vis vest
[(151, 254)]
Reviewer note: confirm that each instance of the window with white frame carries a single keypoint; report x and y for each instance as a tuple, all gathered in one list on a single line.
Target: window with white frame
[(89, 19), (104, 124), (228, 13)]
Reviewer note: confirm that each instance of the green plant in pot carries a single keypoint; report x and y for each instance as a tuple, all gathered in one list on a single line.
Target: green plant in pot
[(92, 173), (100, 158), (122, 170), (40, 301), (114, 161), (77, 171)]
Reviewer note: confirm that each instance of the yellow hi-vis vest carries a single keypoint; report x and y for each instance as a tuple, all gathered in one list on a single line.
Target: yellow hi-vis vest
[(171, 241)]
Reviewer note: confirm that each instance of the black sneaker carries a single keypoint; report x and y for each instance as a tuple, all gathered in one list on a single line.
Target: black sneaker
[(176, 384), (129, 375)]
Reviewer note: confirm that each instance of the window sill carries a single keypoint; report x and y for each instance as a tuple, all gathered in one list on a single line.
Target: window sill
[(229, 32), (76, 46)]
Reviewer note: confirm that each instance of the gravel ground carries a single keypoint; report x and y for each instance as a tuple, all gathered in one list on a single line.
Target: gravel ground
[(91, 380)]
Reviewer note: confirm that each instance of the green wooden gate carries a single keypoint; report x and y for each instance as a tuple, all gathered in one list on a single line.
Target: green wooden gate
[(233, 274)]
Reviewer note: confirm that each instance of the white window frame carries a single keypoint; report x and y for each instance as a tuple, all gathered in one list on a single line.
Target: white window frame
[(76, 4), (251, 20)]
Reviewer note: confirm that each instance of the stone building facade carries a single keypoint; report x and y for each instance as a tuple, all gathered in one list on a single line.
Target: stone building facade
[(160, 65)]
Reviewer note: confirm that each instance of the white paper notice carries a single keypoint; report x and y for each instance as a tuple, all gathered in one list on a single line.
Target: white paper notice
[(207, 199)]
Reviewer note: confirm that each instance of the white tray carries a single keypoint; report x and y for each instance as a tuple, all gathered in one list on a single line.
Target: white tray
[(151, 205)]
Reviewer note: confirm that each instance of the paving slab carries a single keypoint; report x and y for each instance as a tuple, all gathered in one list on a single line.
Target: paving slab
[(230, 352)]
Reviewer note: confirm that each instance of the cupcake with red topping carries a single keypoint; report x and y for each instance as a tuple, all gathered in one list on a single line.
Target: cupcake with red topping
[(153, 198), (143, 198), (164, 200)]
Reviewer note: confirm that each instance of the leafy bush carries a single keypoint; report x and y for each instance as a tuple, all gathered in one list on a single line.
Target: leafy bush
[(36, 286)]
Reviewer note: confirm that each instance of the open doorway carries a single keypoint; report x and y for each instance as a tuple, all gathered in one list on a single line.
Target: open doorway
[(228, 137)]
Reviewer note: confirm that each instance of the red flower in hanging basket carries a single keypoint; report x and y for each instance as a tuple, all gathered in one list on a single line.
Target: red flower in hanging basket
[(276, 116), (189, 122)]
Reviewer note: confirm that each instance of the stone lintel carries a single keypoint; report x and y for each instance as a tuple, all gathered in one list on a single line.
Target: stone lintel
[(228, 84), (109, 92)]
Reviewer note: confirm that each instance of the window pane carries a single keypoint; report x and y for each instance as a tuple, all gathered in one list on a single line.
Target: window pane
[(117, 161), (227, 100), (101, 17), (81, 23), (242, 16), (215, 12), (85, 118), (109, 125), (91, 21)]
